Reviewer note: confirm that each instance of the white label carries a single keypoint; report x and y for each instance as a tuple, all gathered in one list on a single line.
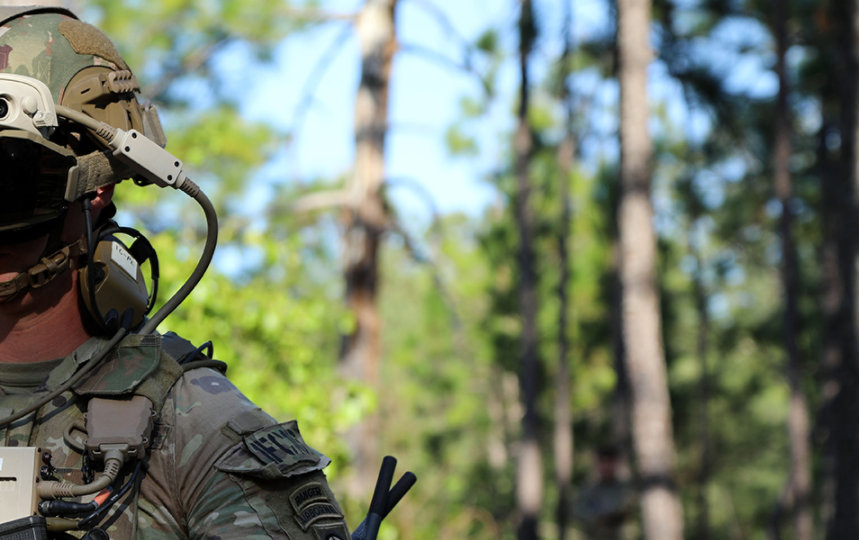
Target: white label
[(123, 258), (1, 464)]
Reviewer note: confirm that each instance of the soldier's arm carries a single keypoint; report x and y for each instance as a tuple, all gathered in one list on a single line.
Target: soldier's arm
[(240, 474)]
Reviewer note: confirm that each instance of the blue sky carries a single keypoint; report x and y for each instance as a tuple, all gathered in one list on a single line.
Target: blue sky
[(425, 98)]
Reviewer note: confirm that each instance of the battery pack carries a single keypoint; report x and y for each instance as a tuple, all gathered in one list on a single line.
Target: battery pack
[(28, 528), (19, 473)]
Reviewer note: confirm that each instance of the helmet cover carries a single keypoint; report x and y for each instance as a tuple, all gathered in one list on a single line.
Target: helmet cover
[(83, 70)]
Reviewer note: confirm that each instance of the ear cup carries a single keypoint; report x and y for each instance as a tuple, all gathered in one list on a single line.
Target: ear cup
[(112, 285)]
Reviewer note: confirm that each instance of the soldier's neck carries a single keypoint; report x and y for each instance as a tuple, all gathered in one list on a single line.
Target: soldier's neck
[(42, 324)]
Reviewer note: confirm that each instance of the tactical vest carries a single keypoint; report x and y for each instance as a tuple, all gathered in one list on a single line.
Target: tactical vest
[(140, 366)]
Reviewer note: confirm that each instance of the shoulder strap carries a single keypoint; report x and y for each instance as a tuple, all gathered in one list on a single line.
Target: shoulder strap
[(146, 365)]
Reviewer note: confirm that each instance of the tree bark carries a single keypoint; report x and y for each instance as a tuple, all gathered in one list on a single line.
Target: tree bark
[(703, 348), (651, 408), (529, 484), (840, 392), (365, 219), (563, 444), (798, 424)]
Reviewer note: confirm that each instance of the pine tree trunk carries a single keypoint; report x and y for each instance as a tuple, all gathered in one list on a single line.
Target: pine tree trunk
[(798, 424), (529, 481), (563, 444), (842, 409), (703, 347), (651, 408), (365, 220)]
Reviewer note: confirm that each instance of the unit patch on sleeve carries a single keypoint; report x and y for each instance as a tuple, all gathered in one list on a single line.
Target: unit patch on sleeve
[(281, 445), (316, 511), (306, 494)]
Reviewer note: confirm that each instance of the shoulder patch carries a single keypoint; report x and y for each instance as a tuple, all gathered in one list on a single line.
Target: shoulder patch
[(315, 512), (273, 452), (281, 445), (307, 494)]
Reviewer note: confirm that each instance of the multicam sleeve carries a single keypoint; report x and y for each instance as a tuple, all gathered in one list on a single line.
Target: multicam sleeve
[(241, 475)]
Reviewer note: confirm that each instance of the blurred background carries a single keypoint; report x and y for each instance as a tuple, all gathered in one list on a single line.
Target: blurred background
[(504, 240)]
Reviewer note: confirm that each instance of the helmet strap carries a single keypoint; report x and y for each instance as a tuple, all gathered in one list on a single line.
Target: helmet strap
[(43, 272), (55, 259)]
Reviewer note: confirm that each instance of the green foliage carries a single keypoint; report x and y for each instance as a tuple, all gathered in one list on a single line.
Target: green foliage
[(450, 405), (488, 41), (460, 144)]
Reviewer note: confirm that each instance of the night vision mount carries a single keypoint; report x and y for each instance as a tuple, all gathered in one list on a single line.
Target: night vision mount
[(26, 104)]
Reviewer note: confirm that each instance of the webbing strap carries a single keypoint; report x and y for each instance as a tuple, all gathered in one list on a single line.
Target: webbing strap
[(94, 170), (44, 271)]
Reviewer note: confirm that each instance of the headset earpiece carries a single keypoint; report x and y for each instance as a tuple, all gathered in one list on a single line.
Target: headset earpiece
[(112, 286)]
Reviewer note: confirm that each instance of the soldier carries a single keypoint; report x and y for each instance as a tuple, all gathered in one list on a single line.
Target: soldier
[(168, 447), (605, 507)]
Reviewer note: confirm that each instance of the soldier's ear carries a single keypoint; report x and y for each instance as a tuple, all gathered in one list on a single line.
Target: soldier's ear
[(103, 197)]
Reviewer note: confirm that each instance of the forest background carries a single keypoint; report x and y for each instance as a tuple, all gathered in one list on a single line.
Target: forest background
[(425, 244)]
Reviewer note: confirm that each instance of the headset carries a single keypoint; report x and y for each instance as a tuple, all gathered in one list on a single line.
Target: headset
[(111, 284)]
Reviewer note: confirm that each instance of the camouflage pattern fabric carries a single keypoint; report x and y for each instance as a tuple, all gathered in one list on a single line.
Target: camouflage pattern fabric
[(38, 53), (218, 466)]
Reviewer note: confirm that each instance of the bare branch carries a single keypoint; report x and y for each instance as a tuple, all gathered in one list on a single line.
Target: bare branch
[(421, 258), (316, 15), (443, 60), (312, 81), (321, 200), (445, 22), (192, 62), (423, 193)]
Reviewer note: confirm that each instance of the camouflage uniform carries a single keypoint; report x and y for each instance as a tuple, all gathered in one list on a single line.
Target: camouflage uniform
[(218, 467)]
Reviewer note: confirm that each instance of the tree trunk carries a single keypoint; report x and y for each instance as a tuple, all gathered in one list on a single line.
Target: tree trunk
[(842, 409), (798, 425), (703, 347), (651, 408), (563, 414), (365, 220), (529, 482)]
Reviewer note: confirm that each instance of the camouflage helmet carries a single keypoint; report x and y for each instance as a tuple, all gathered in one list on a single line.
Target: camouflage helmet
[(83, 71)]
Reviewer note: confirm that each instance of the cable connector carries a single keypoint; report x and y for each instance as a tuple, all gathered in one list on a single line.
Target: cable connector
[(153, 163), (118, 425)]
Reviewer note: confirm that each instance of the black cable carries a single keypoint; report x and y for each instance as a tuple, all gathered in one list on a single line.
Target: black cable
[(90, 263), (208, 346), (51, 508), (193, 190), (96, 516)]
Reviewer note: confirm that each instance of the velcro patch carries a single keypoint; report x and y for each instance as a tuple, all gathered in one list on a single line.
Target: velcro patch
[(315, 512), (281, 445), (306, 494), (336, 531)]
